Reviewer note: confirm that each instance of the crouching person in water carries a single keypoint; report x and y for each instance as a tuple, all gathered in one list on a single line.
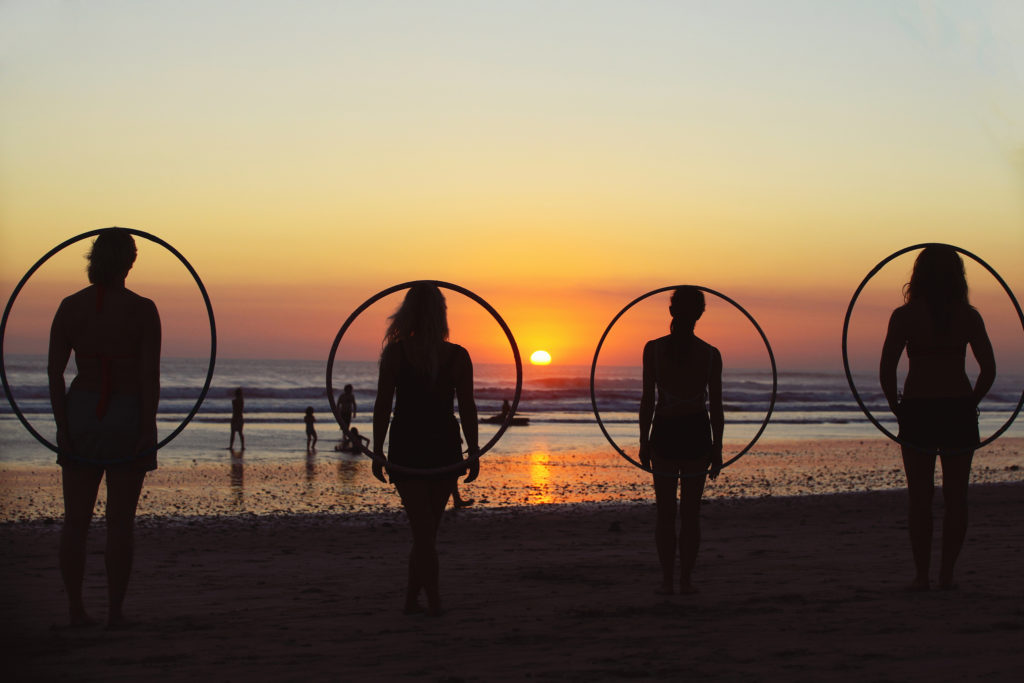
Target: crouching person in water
[(682, 377)]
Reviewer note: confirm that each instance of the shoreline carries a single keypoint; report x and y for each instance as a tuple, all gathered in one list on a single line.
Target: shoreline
[(333, 484), (793, 588)]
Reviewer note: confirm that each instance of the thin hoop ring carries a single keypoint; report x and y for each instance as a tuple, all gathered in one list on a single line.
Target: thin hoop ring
[(846, 358), (455, 467), (209, 310), (767, 345)]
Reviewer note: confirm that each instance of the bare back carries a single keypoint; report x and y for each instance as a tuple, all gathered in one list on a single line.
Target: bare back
[(114, 334)]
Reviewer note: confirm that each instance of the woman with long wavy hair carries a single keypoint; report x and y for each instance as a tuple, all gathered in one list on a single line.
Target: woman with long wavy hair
[(422, 373), (682, 378), (106, 421), (938, 408)]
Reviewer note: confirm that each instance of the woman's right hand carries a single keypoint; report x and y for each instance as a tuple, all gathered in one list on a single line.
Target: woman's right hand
[(645, 455), (378, 467)]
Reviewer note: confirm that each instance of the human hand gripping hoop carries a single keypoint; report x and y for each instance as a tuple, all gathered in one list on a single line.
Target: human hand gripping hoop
[(456, 467), (767, 346), (846, 358), (209, 310)]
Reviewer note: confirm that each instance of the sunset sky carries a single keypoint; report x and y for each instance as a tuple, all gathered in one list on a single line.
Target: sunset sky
[(557, 158)]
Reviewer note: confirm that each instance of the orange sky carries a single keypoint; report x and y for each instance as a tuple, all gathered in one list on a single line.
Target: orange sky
[(559, 161)]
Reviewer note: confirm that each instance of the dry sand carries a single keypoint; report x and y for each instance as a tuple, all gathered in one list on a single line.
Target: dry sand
[(791, 588)]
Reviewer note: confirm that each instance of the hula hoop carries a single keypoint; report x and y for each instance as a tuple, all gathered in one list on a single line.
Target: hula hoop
[(846, 358), (10, 303), (593, 370), (455, 467)]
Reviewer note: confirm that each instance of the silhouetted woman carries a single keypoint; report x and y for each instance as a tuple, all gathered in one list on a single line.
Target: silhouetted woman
[(686, 374), (423, 373), (237, 419), (938, 409), (106, 422)]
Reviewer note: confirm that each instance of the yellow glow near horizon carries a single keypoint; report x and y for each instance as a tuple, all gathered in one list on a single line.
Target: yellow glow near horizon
[(540, 357)]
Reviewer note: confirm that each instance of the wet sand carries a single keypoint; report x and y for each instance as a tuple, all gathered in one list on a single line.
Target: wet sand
[(332, 483), (795, 588), (791, 587)]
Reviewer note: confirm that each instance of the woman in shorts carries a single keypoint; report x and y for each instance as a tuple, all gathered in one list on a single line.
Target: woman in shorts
[(106, 421), (938, 408), (680, 440)]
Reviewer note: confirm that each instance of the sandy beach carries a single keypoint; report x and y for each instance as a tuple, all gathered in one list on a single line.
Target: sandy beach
[(794, 587)]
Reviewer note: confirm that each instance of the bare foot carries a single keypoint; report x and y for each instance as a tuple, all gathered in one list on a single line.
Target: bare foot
[(117, 622), (79, 619), (463, 502)]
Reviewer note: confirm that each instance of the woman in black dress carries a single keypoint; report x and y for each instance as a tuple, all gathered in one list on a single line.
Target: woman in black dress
[(422, 372), (685, 445), (938, 409)]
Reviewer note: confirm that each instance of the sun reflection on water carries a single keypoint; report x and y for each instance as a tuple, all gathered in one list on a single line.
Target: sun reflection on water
[(540, 478)]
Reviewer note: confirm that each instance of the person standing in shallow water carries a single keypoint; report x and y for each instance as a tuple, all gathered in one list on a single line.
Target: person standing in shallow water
[(938, 409), (682, 375), (106, 421), (422, 372), (237, 419), (310, 428), (346, 413)]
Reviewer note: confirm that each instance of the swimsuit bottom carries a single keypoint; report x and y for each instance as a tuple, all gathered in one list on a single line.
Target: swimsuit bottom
[(682, 437), (936, 424), (424, 444), (107, 441)]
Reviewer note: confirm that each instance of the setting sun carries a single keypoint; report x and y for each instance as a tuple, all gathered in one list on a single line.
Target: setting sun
[(540, 357)]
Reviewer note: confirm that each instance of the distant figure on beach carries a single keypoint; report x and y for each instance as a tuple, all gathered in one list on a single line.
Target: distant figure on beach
[(310, 429), (356, 442), (685, 444), (346, 413), (505, 409), (938, 408), (106, 422), (237, 420), (423, 372)]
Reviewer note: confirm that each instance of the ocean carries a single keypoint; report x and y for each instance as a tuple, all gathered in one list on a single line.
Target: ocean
[(556, 399)]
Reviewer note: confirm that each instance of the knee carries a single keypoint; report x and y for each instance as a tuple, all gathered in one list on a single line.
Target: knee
[(921, 495), (666, 516)]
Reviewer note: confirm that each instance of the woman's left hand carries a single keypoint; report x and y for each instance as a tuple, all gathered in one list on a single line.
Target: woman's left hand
[(716, 464), (378, 468), (473, 466)]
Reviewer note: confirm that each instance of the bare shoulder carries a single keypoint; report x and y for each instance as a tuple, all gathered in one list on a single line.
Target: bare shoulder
[(713, 350), (140, 301), (457, 353), (657, 344)]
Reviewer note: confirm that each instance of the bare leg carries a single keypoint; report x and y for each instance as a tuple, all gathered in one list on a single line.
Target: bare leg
[(956, 475), (665, 524), (920, 470), (424, 501), (690, 493), (80, 487), (123, 489)]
